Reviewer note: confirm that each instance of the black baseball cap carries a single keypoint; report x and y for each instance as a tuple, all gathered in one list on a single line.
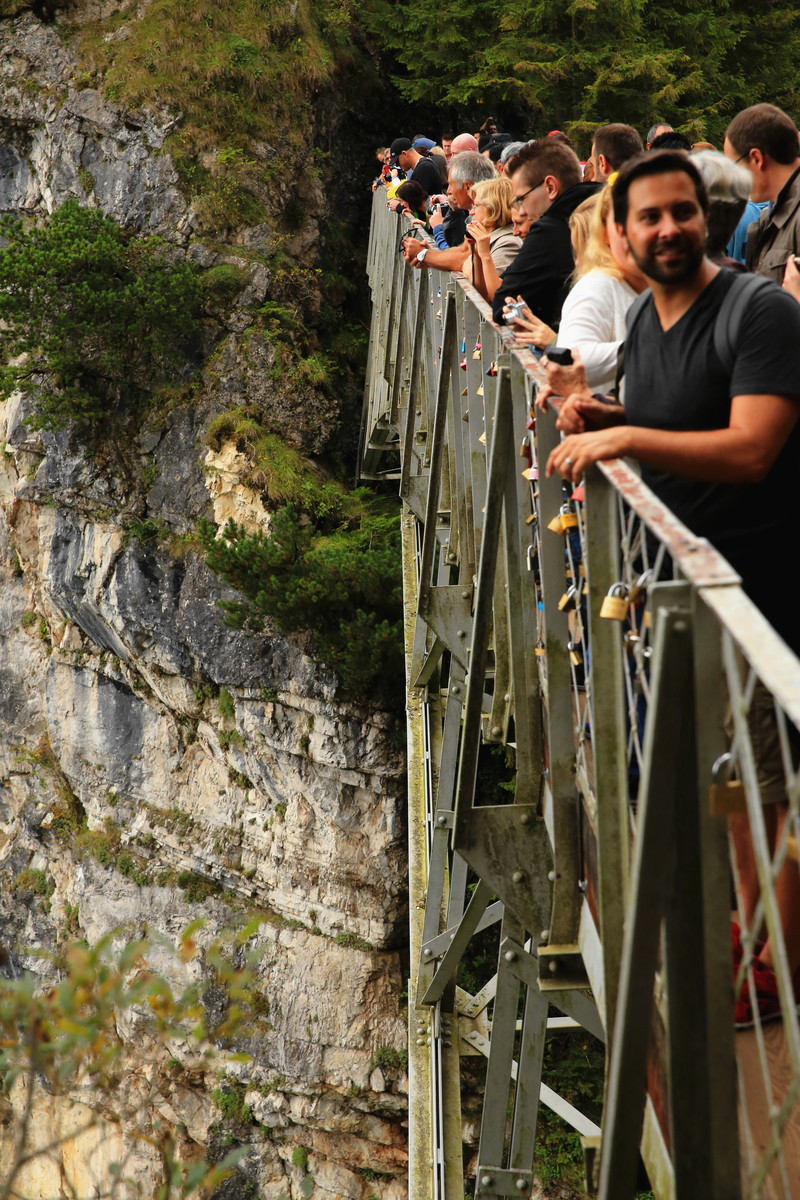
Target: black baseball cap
[(397, 147)]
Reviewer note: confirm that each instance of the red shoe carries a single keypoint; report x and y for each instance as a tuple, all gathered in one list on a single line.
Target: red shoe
[(766, 985)]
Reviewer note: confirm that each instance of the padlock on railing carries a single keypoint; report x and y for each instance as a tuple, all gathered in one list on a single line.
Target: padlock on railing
[(569, 600), (575, 653), (615, 604), (566, 519), (725, 795), (640, 587)]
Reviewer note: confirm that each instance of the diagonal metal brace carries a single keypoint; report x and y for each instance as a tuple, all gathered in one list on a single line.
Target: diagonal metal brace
[(439, 944), (469, 923)]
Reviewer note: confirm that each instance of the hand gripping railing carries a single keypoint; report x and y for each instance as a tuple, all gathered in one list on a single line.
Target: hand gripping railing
[(637, 741)]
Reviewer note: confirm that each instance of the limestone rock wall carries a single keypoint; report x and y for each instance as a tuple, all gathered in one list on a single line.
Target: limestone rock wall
[(200, 749)]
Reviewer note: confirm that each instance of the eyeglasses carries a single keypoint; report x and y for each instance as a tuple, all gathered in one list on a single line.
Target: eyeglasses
[(519, 199), (745, 155)]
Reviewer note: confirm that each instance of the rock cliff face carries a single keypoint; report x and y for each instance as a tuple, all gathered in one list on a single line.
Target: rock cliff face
[(201, 752)]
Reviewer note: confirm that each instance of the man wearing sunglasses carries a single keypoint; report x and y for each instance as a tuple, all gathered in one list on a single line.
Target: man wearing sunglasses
[(546, 178)]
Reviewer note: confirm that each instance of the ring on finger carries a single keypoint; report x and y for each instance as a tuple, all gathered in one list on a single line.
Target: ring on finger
[(568, 461)]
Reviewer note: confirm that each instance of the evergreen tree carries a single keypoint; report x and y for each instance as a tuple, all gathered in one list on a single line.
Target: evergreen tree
[(542, 64)]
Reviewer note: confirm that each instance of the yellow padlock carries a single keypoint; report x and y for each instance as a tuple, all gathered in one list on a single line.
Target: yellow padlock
[(640, 587), (568, 600), (575, 653), (615, 604)]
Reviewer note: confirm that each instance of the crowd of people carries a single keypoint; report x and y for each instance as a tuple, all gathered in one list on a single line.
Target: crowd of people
[(669, 270)]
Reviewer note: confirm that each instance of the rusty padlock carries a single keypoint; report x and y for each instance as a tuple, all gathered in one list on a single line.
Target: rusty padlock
[(615, 604)]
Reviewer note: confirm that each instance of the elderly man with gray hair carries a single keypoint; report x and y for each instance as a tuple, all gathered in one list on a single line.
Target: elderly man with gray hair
[(465, 169)]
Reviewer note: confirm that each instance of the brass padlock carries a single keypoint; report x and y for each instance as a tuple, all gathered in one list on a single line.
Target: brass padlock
[(725, 796), (569, 518), (575, 653), (566, 519), (615, 604), (640, 587), (568, 600)]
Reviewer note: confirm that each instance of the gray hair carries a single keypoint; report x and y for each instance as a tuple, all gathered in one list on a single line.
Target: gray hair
[(725, 180), (651, 133), (470, 167), (511, 148), (728, 187)]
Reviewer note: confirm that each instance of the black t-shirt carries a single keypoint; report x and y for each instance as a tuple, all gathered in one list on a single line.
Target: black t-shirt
[(426, 174), (674, 380)]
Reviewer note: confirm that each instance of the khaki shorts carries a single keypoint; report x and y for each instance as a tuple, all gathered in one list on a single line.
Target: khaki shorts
[(765, 739)]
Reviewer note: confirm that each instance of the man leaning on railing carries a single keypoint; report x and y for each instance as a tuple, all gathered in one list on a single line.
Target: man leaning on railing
[(718, 441)]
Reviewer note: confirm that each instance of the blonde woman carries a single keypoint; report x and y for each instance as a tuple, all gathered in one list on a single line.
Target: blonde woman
[(490, 234), (607, 283)]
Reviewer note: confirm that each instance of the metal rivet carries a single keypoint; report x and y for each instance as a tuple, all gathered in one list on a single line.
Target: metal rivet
[(510, 956), (475, 1035), (525, 819), (507, 697), (522, 1185), (441, 820), (497, 731), (465, 595), (427, 953), (447, 1045), (486, 1181), (552, 966), (551, 875), (420, 1041), (455, 690), (462, 633), (517, 877), (545, 935)]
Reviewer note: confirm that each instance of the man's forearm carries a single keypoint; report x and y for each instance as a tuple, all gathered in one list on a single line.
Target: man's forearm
[(715, 455), (447, 260)]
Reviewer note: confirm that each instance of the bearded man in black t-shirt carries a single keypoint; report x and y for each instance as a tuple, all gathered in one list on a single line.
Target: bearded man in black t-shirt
[(719, 445)]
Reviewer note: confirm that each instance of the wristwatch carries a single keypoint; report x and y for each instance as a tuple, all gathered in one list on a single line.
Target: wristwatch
[(421, 255)]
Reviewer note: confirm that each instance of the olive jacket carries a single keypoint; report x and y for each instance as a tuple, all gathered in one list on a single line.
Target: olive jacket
[(776, 233)]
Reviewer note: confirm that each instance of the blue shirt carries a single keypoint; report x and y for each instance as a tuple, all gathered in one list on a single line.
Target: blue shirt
[(736, 246)]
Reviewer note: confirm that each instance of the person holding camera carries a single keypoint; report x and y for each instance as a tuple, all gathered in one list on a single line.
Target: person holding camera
[(466, 169)]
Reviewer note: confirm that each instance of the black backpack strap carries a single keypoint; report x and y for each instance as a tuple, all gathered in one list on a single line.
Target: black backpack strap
[(631, 317), (731, 314)]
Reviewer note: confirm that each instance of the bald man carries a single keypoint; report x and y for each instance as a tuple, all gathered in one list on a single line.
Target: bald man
[(464, 141)]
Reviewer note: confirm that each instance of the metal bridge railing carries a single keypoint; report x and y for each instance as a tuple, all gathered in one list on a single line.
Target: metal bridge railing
[(609, 869)]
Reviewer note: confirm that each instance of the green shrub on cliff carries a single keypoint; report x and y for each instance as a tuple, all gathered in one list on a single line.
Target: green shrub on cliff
[(91, 316), (341, 583)]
